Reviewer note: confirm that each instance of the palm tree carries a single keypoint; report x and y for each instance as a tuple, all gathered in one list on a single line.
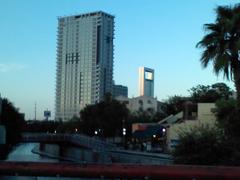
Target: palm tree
[(221, 44)]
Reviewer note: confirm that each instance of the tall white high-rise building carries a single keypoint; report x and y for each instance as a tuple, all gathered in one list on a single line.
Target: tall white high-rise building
[(84, 62), (146, 82)]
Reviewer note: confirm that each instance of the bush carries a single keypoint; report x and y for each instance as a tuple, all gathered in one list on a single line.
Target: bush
[(228, 117), (200, 145)]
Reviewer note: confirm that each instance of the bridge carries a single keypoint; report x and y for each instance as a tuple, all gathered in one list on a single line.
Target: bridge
[(75, 139), (103, 152), (112, 171)]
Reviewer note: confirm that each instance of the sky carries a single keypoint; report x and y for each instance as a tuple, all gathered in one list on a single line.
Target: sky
[(159, 34)]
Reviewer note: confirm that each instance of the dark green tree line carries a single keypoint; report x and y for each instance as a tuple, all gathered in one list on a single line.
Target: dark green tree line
[(107, 117), (12, 120)]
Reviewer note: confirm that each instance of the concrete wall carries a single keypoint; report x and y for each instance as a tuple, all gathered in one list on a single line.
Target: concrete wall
[(205, 112), (78, 154), (52, 149), (73, 153)]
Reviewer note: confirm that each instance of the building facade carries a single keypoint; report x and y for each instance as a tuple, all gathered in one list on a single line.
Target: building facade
[(146, 82), (84, 62), (119, 90), (202, 115), (142, 103)]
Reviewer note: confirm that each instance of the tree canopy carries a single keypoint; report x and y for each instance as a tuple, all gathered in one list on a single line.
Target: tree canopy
[(221, 44), (204, 145), (204, 94), (107, 118), (13, 121)]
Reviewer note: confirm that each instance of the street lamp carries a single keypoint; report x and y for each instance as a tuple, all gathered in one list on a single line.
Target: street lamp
[(124, 131), (163, 130)]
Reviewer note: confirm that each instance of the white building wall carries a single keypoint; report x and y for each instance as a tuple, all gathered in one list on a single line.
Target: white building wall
[(139, 103)]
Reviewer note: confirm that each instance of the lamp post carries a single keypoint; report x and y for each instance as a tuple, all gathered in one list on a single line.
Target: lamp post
[(164, 136)]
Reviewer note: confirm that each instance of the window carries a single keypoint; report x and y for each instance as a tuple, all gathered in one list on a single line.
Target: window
[(148, 75)]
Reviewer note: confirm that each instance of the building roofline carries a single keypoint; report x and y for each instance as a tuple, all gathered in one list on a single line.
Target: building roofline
[(87, 14)]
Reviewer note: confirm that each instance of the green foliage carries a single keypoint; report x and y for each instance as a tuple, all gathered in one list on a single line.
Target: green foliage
[(207, 94), (202, 145), (223, 90), (218, 145), (228, 117), (175, 104), (198, 94), (109, 116), (13, 121), (71, 126), (202, 93)]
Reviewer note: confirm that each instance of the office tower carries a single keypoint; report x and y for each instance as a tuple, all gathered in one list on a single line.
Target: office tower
[(119, 90), (84, 62), (146, 82)]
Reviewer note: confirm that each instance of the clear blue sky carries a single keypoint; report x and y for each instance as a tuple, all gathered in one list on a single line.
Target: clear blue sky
[(153, 33)]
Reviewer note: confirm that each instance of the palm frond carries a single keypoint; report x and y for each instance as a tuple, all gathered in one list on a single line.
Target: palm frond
[(221, 44), (221, 64), (224, 12), (208, 55)]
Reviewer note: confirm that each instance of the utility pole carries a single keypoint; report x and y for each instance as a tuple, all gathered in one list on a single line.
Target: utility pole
[(35, 111)]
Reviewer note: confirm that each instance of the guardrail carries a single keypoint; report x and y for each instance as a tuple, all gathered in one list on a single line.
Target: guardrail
[(118, 171)]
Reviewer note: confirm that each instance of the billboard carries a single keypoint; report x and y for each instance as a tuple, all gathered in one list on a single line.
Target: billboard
[(47, 114)]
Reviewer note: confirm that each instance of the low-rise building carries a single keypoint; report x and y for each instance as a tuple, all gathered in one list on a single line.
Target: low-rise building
[(141, 103), (193, 115)]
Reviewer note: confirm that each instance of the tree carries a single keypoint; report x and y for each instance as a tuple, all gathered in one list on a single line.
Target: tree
[(227, 117), (71, 126), (221, 44), (13, 121), (201, 145), (223, 90), (212, 145), (107, 117), (175, 104), (202, 93), (205, 94)]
